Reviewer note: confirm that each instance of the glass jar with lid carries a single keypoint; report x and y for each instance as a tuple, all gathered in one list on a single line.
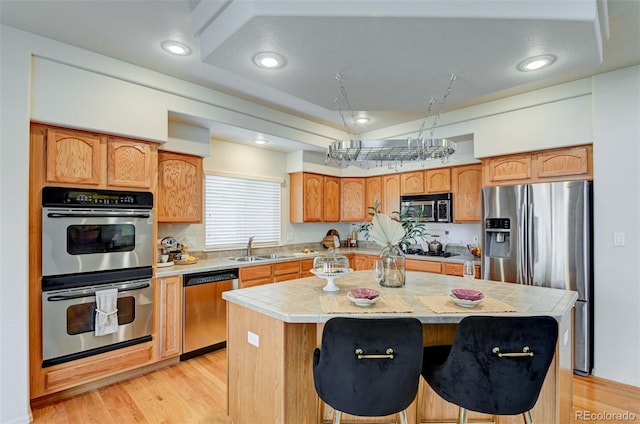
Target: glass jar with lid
[(330, 267)]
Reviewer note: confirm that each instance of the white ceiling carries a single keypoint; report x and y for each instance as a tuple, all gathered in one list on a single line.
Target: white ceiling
[(392, 56)]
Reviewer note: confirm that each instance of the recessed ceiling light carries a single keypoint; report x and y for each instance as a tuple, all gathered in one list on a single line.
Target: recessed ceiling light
[(260, 141), (536, 62), (177, 48), (362, 119), (269, 60)]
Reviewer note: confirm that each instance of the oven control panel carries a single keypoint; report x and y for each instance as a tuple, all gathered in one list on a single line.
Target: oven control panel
[(79, 197)]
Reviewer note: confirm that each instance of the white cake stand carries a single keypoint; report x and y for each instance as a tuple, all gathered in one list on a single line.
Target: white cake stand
[(331, 277)]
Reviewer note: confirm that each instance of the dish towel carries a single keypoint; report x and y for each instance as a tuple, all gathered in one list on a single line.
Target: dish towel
[(106, 312)]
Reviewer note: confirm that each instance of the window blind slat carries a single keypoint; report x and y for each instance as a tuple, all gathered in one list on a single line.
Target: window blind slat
[(237, 208)]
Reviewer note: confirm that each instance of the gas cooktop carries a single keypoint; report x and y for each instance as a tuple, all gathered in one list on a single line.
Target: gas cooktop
[(422, 252)]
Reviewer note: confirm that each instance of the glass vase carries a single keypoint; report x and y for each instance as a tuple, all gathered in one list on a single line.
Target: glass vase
[(394, 267)]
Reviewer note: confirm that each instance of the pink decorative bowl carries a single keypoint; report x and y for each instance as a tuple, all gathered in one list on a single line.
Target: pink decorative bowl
[(467, 294), (365, 293)]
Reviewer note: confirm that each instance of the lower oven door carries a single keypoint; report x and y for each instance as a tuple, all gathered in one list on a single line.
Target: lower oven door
[(68, 321)]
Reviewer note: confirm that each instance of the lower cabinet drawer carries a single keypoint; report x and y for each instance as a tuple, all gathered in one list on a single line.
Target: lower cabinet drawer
[(425, 266), (94, 367)]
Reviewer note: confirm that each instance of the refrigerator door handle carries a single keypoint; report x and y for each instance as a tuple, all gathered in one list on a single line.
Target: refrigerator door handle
[(530, 244), (522, 243)]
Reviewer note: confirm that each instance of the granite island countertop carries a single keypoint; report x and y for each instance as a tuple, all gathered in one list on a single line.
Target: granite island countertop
[(298, 301)]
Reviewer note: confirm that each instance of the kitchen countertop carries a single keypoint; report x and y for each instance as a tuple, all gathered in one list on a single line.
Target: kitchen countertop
[(298, 301), (221, 263)]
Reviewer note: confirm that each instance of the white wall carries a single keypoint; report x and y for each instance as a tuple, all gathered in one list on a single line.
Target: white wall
[(616, 153), (14, 192), (616, 113)]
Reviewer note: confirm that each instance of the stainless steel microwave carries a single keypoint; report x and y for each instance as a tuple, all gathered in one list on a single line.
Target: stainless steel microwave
[(428, 207)]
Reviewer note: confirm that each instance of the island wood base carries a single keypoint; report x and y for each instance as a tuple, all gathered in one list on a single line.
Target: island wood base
[(273, 382)]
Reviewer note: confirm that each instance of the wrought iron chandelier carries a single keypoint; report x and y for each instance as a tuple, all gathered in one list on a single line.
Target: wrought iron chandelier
[(392, 152)]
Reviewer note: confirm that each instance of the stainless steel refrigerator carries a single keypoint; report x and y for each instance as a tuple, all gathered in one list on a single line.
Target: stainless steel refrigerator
[(540, 235)]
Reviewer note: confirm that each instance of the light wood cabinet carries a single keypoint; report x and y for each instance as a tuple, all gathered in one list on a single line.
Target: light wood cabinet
[(574, 163), (437, 180), (131, 164), (467, 193), (306, 265), (169, 315), (331, 197), (306, 197), (284, 271), (74, 157), (425, 266), (508, 170), (390, 193), (313, 198), (255, 275), (562, 163), (449, 268), (412, 182), (360, 262), (180, 180), (272, 273), (87, 370), (83, 158), (372, 191), (352, 204)]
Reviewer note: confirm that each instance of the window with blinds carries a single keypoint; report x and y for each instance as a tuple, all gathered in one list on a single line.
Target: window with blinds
[(239, 208)]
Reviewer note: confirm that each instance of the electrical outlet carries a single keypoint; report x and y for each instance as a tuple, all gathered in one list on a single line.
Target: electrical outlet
[(618, 239), (253, 339), (290, 236), (190, 241), (475, 239)]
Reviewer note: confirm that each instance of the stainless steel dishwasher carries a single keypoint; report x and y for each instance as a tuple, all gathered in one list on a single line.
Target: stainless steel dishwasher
[(204, 319)]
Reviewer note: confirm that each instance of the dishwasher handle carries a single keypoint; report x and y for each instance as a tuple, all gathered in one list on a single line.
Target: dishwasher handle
[(209, 277)]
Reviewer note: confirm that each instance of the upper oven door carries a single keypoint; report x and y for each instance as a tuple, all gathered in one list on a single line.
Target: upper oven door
[(87, 240)]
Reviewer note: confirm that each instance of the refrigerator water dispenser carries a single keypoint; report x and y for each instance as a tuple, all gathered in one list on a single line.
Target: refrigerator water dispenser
[(498, 237)]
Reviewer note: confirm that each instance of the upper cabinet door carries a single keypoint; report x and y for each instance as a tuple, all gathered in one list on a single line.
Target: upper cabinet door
[(467, 193), (437, 180), (564, 162), (313, 189), (412, 182), (352, 199), (131, 164), (372, 190), (390, 193), (509, 169), (332, 203), (73, 157), (180, 195)]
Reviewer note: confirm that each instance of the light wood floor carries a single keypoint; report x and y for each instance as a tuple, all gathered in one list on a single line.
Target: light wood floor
[(195, 391)]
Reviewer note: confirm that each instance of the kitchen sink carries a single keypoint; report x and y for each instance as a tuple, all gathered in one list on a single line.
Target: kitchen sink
[(248, 258), (275, 256), (260, 257)]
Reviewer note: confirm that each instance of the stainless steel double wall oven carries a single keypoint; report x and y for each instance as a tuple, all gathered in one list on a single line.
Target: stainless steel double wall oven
[(95, 240)]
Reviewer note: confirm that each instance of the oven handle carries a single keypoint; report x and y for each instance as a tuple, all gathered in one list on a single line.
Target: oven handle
[(60, 297), (97, 215)]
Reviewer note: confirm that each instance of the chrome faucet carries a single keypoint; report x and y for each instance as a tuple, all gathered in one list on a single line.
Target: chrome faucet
[(249, 246)]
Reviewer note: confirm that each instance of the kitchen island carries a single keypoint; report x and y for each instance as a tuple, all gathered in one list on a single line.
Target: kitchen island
[(273, 330)]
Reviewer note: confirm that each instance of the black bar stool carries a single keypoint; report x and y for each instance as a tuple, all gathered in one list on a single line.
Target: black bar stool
[(369, 367), (496, 365)]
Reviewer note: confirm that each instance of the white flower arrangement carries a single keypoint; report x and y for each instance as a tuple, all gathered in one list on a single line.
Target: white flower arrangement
[(397, 230), (386, 231)]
